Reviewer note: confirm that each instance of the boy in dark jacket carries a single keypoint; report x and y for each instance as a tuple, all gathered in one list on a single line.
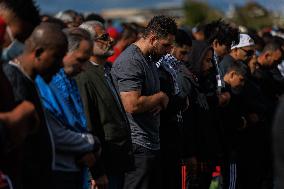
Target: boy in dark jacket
[(231, 122)]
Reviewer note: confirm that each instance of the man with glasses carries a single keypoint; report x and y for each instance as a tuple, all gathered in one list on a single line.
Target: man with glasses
[(241, 52), (258, 99), (105, 113)]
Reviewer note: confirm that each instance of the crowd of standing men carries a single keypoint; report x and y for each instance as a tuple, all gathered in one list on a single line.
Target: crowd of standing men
[(83, 105)]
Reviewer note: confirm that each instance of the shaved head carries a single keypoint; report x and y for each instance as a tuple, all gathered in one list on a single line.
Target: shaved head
[(46, 36), (45, 49)]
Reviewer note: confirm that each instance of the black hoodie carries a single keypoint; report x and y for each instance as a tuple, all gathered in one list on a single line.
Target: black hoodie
[(197, 54), (201, 131)]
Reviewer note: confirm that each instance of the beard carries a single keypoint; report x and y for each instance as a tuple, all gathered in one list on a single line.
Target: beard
[(108, 53), (155, 55), (105, 53)]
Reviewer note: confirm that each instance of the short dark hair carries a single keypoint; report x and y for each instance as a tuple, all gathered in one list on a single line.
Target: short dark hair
[(272, 46), (75, 36), (222, 32), (239, 68), (259, 42), (95, 17), (198, 28), (25, 10), (182, 38), (267, 37), (278, 40), (161, 26)]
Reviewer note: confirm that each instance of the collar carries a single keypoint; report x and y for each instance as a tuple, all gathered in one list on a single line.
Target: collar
[(18, 65), (93, 63)]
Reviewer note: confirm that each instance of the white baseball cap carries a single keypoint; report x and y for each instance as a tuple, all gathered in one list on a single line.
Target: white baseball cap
[(245, 41)]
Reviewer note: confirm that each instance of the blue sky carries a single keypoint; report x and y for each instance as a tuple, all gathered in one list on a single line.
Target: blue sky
[(98, 5)]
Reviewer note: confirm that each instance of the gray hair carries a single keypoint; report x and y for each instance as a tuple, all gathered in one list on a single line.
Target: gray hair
[(64, 17), (89, 26), (67, 16), (75, 36)]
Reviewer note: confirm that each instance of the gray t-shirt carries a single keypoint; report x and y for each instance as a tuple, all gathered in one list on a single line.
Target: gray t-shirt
[(132, 72)]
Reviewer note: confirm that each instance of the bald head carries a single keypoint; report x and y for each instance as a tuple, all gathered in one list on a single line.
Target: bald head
[(46, 36), (44, 51)]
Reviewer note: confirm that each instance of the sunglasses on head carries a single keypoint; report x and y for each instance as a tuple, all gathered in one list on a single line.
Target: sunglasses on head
[(248, 52), (103, 37)]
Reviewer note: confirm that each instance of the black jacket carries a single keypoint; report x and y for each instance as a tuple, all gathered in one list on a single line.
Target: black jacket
[(269, 88), (106, 119), (278, 148), (201, 129), (279, 80), (37, 149), (170, 129), (231, 123)]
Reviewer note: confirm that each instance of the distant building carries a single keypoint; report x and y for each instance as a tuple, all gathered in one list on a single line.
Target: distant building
[(142, 16)]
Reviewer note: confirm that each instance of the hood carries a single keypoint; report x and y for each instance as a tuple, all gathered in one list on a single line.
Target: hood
[(197, 54)]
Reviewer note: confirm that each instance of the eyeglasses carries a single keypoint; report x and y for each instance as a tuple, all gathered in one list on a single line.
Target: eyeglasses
[(249, 53), (103, 37)]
